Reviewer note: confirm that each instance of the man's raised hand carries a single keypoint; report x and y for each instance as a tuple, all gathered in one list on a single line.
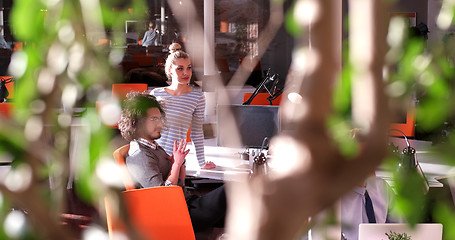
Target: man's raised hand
[(179, 152)]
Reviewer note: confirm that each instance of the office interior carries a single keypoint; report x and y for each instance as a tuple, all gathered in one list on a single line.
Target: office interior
[(232, 30)]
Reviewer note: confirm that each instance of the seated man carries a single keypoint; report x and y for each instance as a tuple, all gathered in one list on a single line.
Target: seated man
[(367, 203), (141, 123)]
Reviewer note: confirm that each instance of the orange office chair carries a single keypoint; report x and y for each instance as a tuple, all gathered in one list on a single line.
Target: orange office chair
[(121, 89), (160, 212), (119, 157), (156, 213), (18, 46), (6, 110)]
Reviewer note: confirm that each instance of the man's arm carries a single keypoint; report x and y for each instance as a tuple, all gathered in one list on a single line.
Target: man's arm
[(182, 174), (179, 154), (144, 39), (4, 44)]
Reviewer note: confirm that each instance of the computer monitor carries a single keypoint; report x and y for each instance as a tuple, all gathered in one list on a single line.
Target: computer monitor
[(253, 122), (136, 26)]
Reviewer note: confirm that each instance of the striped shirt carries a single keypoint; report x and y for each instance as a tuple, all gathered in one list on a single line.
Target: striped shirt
[(181, 112)]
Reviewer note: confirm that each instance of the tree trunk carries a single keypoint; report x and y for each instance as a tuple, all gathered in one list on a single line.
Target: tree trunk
[(315, 174)]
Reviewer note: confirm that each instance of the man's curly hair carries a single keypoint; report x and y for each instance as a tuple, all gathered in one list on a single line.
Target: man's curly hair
[(134, 113)]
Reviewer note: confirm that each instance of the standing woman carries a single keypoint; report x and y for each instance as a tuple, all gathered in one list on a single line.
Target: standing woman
[(183, 105)]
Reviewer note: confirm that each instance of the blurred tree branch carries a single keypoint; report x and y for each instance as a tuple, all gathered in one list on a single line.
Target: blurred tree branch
[(277, 206)]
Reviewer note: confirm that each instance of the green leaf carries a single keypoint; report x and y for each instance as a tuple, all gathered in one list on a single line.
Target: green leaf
[(410, 195), (291, 24), (27, 19), (445, 215)]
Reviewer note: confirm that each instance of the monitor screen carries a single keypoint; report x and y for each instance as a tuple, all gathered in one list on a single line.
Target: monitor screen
[(253, 122), (136, 26)]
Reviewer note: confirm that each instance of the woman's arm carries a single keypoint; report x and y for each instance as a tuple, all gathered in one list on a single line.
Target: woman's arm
[(197, 133)]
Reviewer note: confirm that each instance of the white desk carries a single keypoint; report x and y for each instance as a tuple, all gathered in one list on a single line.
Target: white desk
[(229, 164)]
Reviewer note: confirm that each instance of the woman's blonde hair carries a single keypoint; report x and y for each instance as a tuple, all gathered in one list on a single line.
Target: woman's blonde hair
[(174, 47), (171, 58)]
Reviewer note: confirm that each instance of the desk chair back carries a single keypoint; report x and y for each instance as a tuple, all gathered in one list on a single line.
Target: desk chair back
[(120, 90), (158, 213), (6, 110), (119, 157), (166, 215)]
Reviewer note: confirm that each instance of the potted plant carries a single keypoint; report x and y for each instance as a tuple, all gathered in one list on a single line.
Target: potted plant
[(397, 236)]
